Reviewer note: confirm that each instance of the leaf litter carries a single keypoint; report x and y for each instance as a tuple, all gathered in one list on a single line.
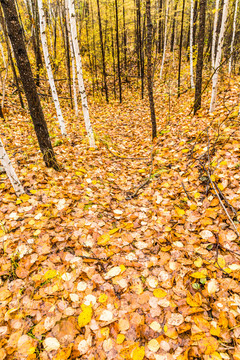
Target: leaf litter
[(89, 272)]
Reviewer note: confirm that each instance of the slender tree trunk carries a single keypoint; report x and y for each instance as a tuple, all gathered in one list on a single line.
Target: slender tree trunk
[(191, 46), (16, 37), (124, 38), (173, 26), (118, 53), (201, 38), (218, 56), (160, 27), (6, 163), (149, 69), (65, 31), (49, 68), (9, 49), (195, 16), (214, 33), (73, 27), (233, 36), (103, 51), (165, 39), (36, 40), (180, 51)]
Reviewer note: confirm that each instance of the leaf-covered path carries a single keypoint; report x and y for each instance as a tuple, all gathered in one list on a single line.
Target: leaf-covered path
[(89, 271)]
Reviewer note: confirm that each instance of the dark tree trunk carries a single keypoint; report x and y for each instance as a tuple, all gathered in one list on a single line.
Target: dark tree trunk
[(17, 41), (199, 68), (173, 26), (149, 68), (36, 40), (11, 59), (1, 113), (138, 36), (103, 51), (118, 53), (195, 16), (160, 27), (180, 51), (124, 38)]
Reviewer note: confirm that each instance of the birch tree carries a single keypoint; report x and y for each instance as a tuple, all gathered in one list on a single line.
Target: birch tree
[(165, 38), (42, 21), (40, 126), (7, 165), (73, 28), (191, 45), (214, 32), (218, 56), (233, 36)]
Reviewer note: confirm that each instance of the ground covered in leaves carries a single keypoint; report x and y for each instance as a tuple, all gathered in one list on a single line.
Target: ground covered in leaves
[(96, 266)]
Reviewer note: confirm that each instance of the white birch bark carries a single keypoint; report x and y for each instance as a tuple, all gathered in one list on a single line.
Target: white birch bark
[(214, 32), (73, 63), (233, 37), (6, 163), (218, 56), (49, 68), (3, 56), (191, 46), (82, 91), (165, 39)]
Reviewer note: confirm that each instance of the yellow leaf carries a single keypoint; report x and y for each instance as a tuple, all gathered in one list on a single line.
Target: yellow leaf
[(221, 187), (215, 331), (197, 195), (123, 268), (208, 345), (180, 212), (2, 186), (221, 262), (198, 262), (195, 300), (120, 338), (185, 151), (170, 332), (86, 315), (159, 293), (24, 197), (37, 232), (33, 191), (102, 298), (31, 222), (199, 274), (104, 239), (50, 274), (213, 177), (18, 202), (138, 353), (113, 231)]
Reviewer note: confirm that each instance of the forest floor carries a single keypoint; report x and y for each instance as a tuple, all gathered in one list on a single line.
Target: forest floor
[(93, 265)]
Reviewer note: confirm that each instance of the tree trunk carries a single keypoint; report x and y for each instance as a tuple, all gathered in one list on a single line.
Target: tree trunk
[(103, 51), (191, 46), (218, 56), (6, 163), (82, 90), (49, 68), (233, 36), (173, 26), (165, 39), (16, 37), (214, 33), (118, 53), (201, 38), (149, 69), (180, 51)]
